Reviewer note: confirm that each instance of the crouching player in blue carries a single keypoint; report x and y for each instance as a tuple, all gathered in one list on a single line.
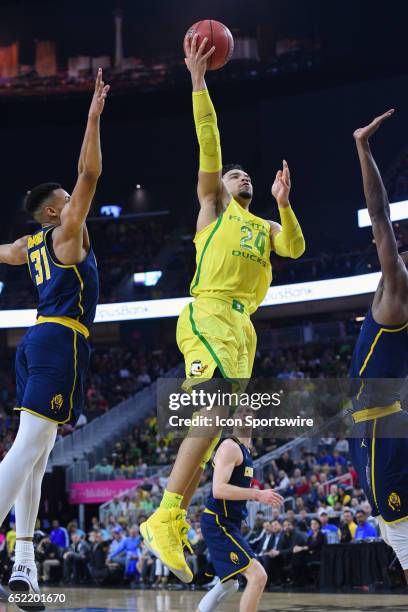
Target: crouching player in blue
[(52, 359), (379, 446), (221, 522)]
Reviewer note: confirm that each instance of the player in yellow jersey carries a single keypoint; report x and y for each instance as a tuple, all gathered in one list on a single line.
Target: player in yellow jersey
[(215, 332)]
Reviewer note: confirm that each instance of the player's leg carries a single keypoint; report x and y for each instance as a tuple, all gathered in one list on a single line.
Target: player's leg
[(163, 530), (192, 487), (34, 434), (230, 555), (26, 507), (196, 476), (184, 475), (184, 525), (396, 536), (256, 582), (206, 335), (167, 540), (220, 592)]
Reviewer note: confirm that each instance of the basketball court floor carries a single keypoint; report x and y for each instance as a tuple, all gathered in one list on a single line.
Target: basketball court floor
[(110, 600)]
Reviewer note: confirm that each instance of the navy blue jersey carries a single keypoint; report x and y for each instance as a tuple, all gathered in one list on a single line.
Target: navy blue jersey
[(241, 477), (380, 352), (377, 454), (65, 291)]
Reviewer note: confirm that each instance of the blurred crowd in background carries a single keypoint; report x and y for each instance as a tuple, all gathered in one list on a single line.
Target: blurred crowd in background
[(288, 542)]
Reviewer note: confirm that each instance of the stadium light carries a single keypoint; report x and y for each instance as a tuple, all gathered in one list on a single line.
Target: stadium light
[(147, 279), (111, 210), (398, 210)]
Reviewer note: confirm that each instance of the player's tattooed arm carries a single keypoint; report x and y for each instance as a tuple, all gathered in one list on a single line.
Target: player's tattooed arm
[(89, 165), (15, 253), (395, 277)]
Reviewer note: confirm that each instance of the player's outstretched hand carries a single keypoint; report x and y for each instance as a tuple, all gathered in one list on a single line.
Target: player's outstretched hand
[(268, 496), (281, 186), (196, 59), (364, 133), (99, 97)]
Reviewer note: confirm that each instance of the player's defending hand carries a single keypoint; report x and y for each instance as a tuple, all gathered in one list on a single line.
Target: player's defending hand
[(363, 134), (196, 59), (268, 496), (281, 186), (99, 97)]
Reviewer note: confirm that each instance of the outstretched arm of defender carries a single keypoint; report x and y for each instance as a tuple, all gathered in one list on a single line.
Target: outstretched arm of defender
[(287, 239), (210, 187), (227, 457), (14, 254), (392, 266), (74, 215)]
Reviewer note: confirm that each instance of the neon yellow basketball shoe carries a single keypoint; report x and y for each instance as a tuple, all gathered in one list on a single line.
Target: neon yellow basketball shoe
[(162, 537)]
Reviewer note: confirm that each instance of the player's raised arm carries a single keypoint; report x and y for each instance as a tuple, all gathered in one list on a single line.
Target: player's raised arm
[(210, 186), (287, 239), (227, 457), (393, 268), (74, 215), (15, 253)]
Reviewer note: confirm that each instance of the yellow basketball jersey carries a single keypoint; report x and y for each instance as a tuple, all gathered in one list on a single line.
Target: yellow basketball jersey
[(233, 258)]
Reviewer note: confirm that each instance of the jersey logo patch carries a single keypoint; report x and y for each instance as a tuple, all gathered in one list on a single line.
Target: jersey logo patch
[(249, 471), (57, 402), (234, 558), (394, 501), (197, 368)]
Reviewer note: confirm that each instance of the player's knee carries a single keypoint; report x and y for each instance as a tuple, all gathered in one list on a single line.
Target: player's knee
[(35, 436), (262, 578), (44, 439), (256, 575)]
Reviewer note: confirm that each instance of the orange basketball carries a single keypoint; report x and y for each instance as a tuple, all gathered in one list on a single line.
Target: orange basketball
[(218, 36)]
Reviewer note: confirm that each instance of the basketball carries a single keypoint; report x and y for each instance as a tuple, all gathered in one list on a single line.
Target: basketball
[(218, 36)]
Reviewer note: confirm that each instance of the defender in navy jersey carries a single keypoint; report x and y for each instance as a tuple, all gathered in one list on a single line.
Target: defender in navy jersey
[(52, 359), (379, 446), (221, 520)]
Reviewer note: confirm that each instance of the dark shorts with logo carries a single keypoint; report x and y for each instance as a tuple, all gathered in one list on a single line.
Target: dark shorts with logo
[(381, 461), (51, 366), (230, 553)]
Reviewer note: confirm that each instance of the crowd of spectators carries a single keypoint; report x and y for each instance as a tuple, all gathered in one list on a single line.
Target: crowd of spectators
[(118, 372), (131, 456), (287, 541), (126, 246), (314, 360)]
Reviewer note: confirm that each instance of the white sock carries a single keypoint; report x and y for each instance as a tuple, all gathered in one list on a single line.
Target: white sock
[(221, 591), (24, 553)]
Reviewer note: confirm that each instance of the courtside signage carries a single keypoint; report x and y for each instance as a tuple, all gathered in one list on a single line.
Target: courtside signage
[(157, 309)]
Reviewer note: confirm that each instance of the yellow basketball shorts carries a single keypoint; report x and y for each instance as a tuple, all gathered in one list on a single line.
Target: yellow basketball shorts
[(215, 334)]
